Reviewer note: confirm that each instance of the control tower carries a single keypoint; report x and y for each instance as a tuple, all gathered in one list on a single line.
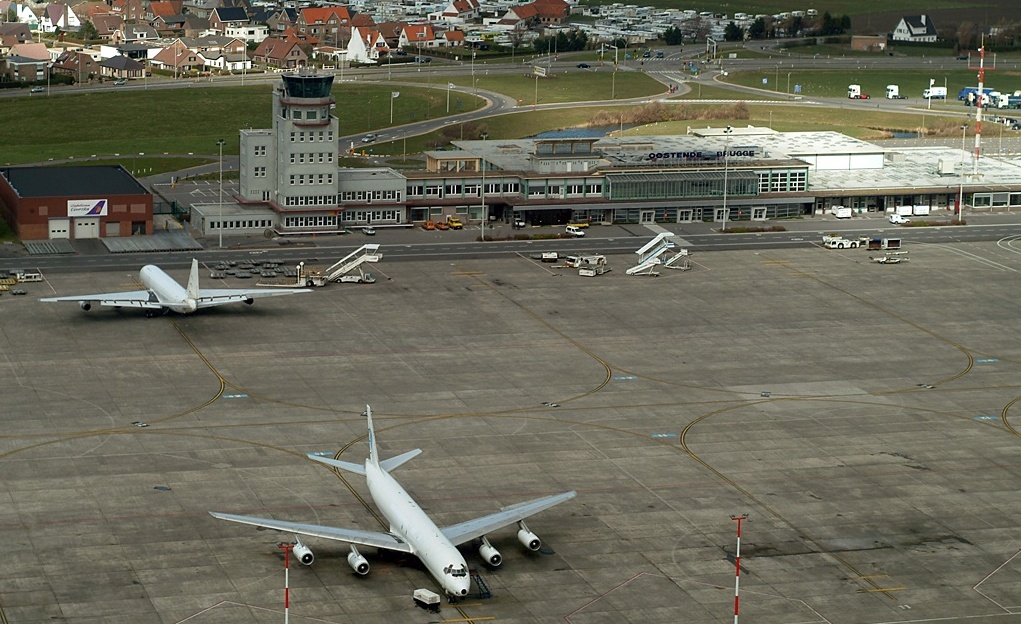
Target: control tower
[(293, 165)]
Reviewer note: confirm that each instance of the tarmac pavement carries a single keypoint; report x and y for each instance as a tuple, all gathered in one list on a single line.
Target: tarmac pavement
[(862, 414)]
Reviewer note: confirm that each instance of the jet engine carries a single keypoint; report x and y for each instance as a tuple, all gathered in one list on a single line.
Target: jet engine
[(490, 554), (303, 553), (357, 562), (85, 305), (528, 539), (249, 301)]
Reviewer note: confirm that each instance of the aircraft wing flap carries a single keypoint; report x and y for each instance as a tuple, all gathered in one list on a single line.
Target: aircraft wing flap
[(215, 296), (467, 531), (351, 536), (128, 299)]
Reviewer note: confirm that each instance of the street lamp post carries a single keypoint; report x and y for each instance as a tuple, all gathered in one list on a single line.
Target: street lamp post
[(482, 194), (219, 195), (788, 84), (726, 170), (960, 192), (613, 78)]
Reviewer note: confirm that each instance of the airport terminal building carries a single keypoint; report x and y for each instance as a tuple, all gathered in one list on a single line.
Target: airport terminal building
[(291, 183)]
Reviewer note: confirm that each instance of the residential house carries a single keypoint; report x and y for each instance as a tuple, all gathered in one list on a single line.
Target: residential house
[(221, 18), (537, 12), (165, 8), (169, 25), (18, 68), (30, 50), (22, 14), (281, 19), (107, 24), (915, 28), (417, 36), (452, 38), (130, 10), (59, 17), (177, 58), (253, 33), (121, 67), (86, 11), (324, 23), (201, 8), (280, 53), (366, 46), (138, 51), (458, 12), (391, 31), (135, 33), (12, 33), (79, 65)]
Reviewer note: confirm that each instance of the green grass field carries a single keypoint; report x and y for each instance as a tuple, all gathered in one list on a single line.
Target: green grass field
[(571, 86), (815, 83), (185, 121)]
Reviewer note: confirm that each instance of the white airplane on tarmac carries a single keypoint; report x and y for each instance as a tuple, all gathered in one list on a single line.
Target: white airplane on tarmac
[(411, 530), (165, 293)]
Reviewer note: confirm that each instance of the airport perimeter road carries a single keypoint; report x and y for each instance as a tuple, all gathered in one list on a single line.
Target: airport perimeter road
[(864, 416)]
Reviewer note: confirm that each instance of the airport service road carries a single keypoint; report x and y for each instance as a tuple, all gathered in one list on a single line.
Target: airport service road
[(414, 244), (863, 415)]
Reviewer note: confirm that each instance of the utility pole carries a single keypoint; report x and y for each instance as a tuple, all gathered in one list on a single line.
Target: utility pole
[(220, 143)]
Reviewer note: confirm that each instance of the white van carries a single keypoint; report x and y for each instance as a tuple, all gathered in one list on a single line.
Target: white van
[(574, 230)]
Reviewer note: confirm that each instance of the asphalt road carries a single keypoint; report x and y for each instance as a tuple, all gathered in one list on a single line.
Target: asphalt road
[(414, 244)]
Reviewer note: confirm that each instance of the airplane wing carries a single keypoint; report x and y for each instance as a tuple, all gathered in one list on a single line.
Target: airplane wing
[(209, 297), (467, 531), (130, 299), (351, 536)]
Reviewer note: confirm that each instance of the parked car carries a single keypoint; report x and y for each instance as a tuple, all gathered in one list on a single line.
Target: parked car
[(442, 225), (429, 225), (575, 231), (897, 219), (519, 223)]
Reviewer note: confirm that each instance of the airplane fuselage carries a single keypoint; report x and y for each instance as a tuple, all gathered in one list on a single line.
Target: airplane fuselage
[(407, 520), (168, 291)]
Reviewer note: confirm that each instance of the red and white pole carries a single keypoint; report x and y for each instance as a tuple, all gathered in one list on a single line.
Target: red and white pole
[(287, 580), (737, 566)]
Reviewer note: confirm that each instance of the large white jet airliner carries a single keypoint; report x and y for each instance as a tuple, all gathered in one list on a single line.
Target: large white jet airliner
[(411, 530), (165, 293)]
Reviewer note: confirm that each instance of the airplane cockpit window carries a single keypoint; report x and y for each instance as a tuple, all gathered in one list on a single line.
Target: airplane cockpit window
[(460, 571)]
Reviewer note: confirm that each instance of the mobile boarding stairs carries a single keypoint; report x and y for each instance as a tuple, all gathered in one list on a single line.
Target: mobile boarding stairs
[(651, 256)]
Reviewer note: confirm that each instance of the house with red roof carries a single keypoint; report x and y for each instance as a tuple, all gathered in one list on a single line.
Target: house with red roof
[(327, 24), (416, 36), (279, 53), (458, 12)]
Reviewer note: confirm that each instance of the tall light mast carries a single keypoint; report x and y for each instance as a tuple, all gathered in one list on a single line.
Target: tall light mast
[(978, 111)]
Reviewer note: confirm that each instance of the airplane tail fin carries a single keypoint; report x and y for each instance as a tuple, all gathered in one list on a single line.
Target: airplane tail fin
[(193, 280), (373, 454)]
